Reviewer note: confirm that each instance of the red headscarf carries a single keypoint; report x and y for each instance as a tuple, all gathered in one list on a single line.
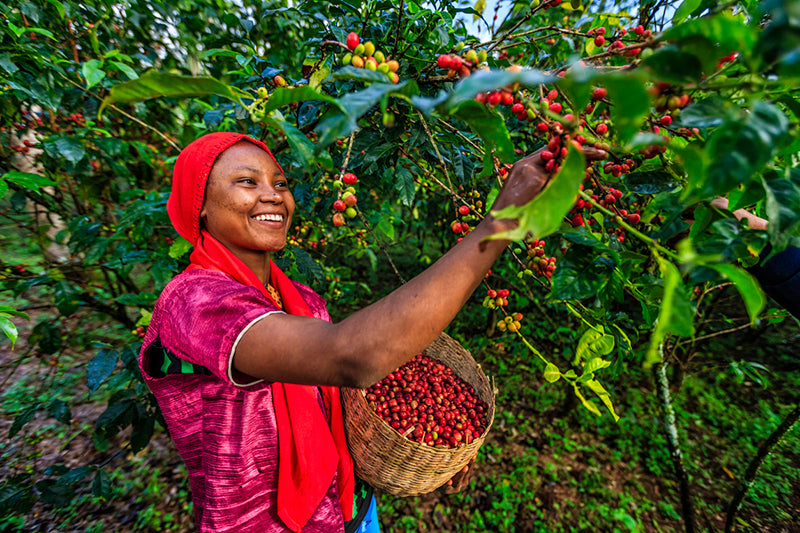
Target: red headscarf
[(311, 449)]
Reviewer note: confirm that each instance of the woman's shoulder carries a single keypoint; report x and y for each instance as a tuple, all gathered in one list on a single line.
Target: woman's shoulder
[(203, 285)]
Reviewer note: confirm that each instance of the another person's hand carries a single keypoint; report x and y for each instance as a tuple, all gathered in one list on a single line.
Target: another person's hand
[(755, 222), (460, 480)]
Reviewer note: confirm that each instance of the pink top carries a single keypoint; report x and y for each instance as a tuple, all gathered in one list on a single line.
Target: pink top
[(224, 431)]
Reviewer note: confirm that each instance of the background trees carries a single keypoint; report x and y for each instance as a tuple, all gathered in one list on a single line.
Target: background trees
[(619, 270)]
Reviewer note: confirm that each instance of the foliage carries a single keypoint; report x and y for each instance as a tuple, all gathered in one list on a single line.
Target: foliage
[(692, 100)]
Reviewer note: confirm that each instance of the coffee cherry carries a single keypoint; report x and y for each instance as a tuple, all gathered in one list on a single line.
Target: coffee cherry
[(599, 93), (349, 178), (463, 210), (425, 401), (338, 219), (339, 205), (444, 61), (352, 40), (599, 40)]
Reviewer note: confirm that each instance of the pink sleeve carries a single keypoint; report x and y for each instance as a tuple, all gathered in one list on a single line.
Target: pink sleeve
[(202, 316)]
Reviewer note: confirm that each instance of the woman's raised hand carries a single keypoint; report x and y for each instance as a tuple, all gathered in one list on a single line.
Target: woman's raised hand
[(528, 178)]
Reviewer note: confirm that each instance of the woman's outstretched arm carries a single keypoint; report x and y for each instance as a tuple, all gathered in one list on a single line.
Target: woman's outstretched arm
[(367, 345)]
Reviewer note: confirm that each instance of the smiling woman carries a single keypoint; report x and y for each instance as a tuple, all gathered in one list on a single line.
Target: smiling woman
[(246, 364)]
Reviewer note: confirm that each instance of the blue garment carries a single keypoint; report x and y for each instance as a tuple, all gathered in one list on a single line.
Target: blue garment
[(370, 523), (780, 278)]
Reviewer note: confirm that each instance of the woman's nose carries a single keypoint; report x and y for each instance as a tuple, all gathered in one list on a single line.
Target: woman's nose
[(268, 193)]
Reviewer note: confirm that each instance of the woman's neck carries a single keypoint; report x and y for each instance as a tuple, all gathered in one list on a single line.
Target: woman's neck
[(260, 265)]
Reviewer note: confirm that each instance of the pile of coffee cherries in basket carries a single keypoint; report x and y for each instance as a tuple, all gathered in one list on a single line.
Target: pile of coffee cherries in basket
[(426, 402)]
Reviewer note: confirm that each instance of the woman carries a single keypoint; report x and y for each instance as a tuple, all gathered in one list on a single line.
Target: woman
[(246, 364)]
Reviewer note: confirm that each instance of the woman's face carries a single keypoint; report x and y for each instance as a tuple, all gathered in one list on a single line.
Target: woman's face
[(248, 206)]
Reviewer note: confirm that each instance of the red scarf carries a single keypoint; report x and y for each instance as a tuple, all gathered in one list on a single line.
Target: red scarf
[(311, 448)]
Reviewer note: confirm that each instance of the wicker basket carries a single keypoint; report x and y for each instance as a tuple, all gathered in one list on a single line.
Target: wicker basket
[(399, 466)]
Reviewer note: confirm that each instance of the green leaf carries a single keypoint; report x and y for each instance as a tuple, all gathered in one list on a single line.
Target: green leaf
[(100, 368), (17, 497), (595, 364), (404, 185), (153, 84), (675, 314), (672, 65), (632, 103), (552, 373), (544, 214), (307, 266), (60, 411), (601, 392), (708, 113), (650, 182), (92, 72), (28, 180), (125, 69), (303, 147), (386, 227), (710, 38), (101, 486), (66, 146), (783, 207), (359, 74), (587, 404), (66, 298), (748, 287), (74, 475), (23, 418), (593, 344), (685, 9), (53, 494), (739, 149), (290, 95), (9, 329), (141, 432), (342, 121), (179, 248), (490, 126)]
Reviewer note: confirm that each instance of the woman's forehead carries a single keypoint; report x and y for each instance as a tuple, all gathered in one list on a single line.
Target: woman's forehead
[(244, 156)]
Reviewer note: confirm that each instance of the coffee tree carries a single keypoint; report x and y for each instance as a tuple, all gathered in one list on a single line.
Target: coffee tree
[(397, 125)]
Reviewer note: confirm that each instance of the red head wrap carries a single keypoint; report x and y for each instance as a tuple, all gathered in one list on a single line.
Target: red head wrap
[(311, 448)]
